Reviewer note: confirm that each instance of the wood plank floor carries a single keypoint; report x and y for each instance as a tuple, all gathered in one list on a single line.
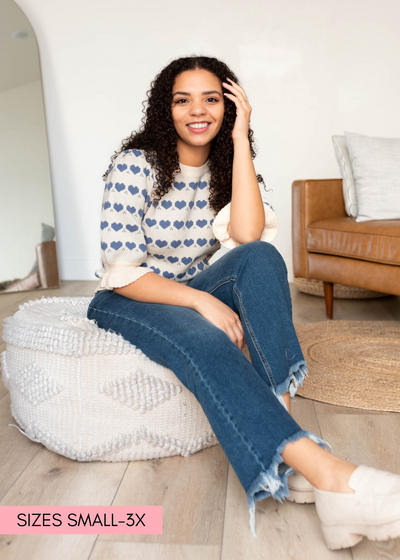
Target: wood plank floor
[(205, 514)]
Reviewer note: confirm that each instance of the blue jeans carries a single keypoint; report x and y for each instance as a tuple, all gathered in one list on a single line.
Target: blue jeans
[(242, 400)]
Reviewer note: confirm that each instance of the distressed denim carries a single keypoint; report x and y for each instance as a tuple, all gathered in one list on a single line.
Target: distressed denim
[(242, 400)]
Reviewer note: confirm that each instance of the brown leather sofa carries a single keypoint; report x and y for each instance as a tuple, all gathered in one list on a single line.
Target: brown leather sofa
[(329, 245)]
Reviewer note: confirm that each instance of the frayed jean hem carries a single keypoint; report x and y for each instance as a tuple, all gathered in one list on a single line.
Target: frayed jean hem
[(273, 482), (296, 375)]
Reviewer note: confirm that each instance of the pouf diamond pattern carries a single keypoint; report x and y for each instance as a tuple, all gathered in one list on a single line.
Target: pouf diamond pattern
[(89, 394)]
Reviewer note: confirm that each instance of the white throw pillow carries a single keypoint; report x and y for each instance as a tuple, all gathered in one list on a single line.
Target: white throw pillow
[(376, 168), (349, 187)]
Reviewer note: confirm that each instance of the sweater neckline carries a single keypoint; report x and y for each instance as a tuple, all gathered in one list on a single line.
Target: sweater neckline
[(190, 171)]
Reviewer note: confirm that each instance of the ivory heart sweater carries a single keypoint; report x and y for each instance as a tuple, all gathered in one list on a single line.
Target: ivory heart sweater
[(174, 237)]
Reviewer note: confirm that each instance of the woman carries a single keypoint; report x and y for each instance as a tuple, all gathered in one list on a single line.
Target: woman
[(194, 152)]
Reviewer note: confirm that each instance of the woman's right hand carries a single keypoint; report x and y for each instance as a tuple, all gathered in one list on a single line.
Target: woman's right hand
[(222, 316)]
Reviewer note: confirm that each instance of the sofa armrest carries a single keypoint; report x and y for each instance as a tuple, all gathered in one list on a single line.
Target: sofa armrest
[(312, 200)]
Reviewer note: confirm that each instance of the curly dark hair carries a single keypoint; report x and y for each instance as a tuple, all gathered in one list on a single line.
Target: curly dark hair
[(157, 137)]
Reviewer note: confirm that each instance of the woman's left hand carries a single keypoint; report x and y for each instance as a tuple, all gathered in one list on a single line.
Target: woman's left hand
[(243, 110)]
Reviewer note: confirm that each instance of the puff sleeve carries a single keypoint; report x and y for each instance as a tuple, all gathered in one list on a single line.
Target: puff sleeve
[(222, 219), (125, 201)]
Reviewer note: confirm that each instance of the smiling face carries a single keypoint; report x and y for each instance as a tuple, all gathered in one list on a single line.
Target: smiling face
[(197, 100)]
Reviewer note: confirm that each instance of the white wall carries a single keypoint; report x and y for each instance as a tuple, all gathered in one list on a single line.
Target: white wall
[(311, 69)]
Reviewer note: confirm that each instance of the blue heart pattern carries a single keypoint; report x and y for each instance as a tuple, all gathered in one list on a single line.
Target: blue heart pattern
[(173, 237)]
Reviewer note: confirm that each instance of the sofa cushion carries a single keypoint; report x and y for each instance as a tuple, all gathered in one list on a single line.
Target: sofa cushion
[(375, 240), (346, 172), (376, 168)]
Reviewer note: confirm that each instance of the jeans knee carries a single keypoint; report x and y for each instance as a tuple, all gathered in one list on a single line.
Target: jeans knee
[(261, 253)]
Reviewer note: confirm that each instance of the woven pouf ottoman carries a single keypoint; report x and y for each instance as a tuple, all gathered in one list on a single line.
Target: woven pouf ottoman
[(89, 394)]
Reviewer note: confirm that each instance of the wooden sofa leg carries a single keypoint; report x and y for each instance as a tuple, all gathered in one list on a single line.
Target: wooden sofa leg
[(328, 289)]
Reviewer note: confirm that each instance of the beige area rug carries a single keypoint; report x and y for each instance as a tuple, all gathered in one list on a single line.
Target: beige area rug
[(352, 363)]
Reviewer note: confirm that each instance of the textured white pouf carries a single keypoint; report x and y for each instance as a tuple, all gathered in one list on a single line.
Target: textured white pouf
[(88, 394)]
